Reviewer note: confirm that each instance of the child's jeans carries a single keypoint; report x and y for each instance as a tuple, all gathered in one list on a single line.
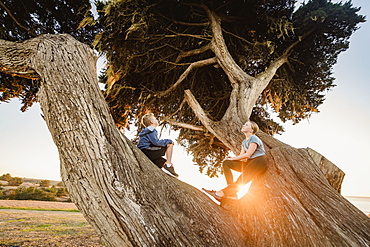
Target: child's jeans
[(249, 169)]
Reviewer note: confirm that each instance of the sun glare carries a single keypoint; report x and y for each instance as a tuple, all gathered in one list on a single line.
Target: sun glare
[(244, 189)]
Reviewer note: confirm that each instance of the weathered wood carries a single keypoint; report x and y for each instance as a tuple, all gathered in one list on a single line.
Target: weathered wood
[(294, 205), (333, 174), (126, 198)]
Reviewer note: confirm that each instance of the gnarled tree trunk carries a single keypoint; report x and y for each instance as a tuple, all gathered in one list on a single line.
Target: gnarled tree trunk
[(130, 202)]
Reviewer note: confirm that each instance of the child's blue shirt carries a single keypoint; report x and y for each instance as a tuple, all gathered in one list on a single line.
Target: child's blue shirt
[(148, 138)]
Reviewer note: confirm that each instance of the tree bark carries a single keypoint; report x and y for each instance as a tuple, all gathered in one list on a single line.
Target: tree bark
[(294, 205), (125, 197), (130, 202)]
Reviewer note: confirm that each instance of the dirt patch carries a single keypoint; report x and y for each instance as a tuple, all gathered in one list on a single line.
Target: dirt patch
[(45, 228)]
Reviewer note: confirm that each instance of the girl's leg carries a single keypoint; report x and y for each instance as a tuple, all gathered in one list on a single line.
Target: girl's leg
[(251, 170), (229, 165)]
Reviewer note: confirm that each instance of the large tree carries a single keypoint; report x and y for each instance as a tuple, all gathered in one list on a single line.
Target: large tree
[(129, 201), (208, 66)]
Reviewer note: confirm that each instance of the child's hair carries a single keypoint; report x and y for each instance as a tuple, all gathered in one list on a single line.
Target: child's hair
[(254, 126), (147, 119)]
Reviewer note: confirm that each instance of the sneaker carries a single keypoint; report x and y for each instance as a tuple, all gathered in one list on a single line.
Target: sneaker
[(232, 197), (169, 170), (213, 194)]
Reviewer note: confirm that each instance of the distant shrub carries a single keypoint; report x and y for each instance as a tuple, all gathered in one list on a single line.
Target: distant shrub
[(6, 177), (45, 183), (30, 193), (15, 181), (60, 184), (62, 192), (43, 193)]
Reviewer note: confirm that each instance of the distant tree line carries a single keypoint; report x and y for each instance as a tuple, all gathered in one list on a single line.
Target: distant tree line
[(43, 193)]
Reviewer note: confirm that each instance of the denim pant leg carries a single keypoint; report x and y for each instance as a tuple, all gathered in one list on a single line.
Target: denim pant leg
[(251, 170), (229, 165)]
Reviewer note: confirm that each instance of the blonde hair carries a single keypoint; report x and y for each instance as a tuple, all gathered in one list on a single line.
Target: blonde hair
[(254, 126), (147, 119)]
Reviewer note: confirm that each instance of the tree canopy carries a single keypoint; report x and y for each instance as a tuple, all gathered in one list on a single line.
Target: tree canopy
[(158, 49)]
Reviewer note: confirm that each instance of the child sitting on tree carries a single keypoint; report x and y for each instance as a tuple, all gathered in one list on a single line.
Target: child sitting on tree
[(154, 148), (251, 162)]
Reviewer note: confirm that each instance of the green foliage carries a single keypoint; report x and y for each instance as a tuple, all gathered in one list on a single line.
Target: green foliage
[(6, 177), (12, 181), (207, 151), (60, 184), (149, 44), (61, 192), (15, 181), (148, 47), (44, 183), (33, 193), (25, 19)]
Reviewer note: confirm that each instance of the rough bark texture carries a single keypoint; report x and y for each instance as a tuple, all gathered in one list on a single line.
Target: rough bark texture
[(294, 205), (127, 199), (332, 173), (130, 202)]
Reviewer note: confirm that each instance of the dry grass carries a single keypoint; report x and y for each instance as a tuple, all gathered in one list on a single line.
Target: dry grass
[(45, 228)]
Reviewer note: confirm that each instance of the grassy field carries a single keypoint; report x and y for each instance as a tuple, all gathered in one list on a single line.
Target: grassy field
[(42, 227)]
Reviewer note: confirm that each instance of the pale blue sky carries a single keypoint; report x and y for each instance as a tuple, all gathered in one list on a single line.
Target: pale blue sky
[(340, 131)]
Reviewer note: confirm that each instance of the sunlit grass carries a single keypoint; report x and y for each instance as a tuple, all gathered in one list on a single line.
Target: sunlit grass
[(41, 209), (32, 228)]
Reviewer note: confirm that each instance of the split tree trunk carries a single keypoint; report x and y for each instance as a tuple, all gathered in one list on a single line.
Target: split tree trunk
[(130, 202)]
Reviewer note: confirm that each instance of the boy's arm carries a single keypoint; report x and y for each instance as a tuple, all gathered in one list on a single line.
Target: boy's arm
[(156, 142)]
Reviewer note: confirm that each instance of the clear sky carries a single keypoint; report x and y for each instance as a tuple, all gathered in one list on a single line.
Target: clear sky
[(340, 131)]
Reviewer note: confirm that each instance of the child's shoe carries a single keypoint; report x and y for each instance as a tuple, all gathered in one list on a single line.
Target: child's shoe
[(213, 193), (169, 170)]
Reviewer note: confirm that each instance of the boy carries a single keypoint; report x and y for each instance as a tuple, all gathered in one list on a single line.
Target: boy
[(154, 148)]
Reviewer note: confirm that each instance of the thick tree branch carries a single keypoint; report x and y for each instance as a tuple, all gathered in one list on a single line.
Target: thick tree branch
[(198, 110), (193, 52), (219, 47), (184, 35), (16, 21), (15, 59), (289, 50), (192, 66), (24, 74), (185, 125)]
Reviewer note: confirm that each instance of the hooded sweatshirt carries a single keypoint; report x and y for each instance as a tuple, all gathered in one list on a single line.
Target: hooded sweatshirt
[(148, 138)]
